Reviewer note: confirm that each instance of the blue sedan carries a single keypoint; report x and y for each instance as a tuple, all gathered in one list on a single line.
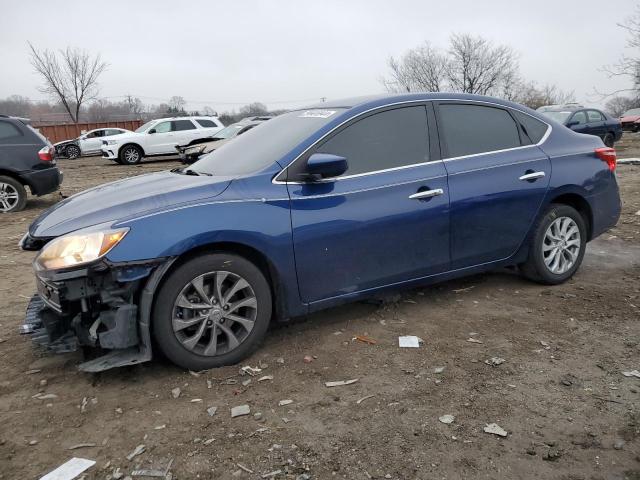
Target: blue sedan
[(587, 120), (317, 207)]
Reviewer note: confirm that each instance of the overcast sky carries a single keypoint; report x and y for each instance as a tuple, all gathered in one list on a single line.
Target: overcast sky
[(289, 53)]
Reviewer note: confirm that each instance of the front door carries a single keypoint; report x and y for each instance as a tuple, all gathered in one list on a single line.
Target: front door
[(385, 220), (160, 140), (498, 178), (91, 142)]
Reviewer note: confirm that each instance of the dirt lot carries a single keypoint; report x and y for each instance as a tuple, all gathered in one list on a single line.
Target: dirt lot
[(560, 394)]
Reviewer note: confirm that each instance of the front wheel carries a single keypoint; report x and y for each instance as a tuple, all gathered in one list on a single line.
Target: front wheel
[(557, 246), (212, 311), (130, 155)]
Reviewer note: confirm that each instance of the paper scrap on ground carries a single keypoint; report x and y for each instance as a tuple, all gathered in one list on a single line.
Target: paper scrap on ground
[(632, 373), (409, 341), (69, 470), (495, 429), (447, 419), (341, 382)]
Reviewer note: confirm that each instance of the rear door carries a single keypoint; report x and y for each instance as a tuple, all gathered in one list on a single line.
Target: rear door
[(497, 178), (385, 220), (184, 132), (595, 123)]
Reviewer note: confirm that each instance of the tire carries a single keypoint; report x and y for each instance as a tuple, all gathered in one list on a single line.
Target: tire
[(13, 196), (130, 155), (184, 334), (539, 265), (609, 140), (72, 151)]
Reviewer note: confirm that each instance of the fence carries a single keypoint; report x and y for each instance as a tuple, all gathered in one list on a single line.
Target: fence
[(57, 133)]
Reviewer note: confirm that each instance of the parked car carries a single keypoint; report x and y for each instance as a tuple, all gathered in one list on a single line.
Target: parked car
[(630, 120), (88, 143), (191, 153), (27, 160), (546, 108), (588, 120), (159, 137), (317, 207)]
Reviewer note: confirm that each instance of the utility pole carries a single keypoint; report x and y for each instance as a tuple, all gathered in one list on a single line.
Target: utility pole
[(323, 99)]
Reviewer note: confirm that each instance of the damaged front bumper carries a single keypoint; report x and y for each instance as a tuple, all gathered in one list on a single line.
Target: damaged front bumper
[(104, 307)]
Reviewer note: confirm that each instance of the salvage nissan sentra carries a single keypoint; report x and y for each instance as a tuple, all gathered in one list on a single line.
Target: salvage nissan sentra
[(315, 208)]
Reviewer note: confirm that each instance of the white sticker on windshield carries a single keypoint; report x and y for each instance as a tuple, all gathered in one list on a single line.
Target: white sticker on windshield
[(317, 113)]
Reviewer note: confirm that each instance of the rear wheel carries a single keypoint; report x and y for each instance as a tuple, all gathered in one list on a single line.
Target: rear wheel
[(72, 151), (557, 247), (609, 140), (212, 311), (13, 196), (130, 155)]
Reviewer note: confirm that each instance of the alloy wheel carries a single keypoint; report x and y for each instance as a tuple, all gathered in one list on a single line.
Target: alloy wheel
[(214, 313), (131, 155), (561, 245), (9, 197), (73, 152)]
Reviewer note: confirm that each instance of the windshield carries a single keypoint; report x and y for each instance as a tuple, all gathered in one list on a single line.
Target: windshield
[(228, 132), (558, 116), (144, 127), (260, 147), (632, 112)]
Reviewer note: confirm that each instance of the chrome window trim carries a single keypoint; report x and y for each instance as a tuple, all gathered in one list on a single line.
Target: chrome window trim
[(544, 138)]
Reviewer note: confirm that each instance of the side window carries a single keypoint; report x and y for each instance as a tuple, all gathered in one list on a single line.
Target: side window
[(179, 125), (163, 127), (91, 135), (594, 116), (472, 129), (9, 132), (204, 123), (113, 131), (394, 138), (579, 117), (531, 128)]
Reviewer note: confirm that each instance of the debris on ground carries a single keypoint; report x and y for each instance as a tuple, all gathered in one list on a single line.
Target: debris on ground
[(552, 454), (137, 451), (280, 360), (438, 370), (447, 419), (307, 359), (242, 467), (364, 398), (240, 410), (495, 361), (282, 403), (495, 429), (212, 411), (409, 341), (473, 340), (160, 473), (632, 373), (266, 377), (81, 445), (365, 339), (247, 370), (272, 474), (460, 290), (545, 344), (340, 383), (175, 393), (45, 396), (69, 470), (196, 400)]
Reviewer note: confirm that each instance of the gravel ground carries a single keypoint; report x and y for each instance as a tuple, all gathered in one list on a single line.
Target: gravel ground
[(568, 411)]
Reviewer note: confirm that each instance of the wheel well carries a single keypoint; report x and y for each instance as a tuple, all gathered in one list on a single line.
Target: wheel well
[(581, 205), (249, 253), (134, 144), (15, 176)]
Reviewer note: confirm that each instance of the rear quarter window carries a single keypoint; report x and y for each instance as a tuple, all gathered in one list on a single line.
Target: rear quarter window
[(9, 133), (206, 123), (473, 129), (533, 130)]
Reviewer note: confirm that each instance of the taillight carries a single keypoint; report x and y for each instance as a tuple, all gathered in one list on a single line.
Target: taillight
[(46, 154), (608, 155)]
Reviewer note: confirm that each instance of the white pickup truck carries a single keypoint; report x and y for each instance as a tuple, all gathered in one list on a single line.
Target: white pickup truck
[(159, 137)]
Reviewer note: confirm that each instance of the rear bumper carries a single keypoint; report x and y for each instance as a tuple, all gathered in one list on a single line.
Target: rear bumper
[(43, 181)]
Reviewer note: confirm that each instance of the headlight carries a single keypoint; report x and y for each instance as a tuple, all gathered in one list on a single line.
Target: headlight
[(78, 248)]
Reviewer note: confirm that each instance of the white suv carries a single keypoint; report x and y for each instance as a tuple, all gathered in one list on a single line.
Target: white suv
[(159, 137)]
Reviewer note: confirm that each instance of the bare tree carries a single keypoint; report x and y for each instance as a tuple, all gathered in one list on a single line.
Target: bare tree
[(135, 104), (533, 96), (618, 105), (70, 76), (477, 66), (177, 103), (253, 109), (420, 69)]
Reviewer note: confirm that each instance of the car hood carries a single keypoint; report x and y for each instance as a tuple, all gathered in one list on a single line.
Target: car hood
[(209, 146), (65, 141), (630, 118), (125, 198)]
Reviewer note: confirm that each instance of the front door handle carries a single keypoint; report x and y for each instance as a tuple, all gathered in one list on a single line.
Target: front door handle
[(426, 194), (531, 176)]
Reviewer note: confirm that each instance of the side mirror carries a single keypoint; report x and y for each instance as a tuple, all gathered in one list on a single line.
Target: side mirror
[(153, 130), (326, 165), (573, 124)]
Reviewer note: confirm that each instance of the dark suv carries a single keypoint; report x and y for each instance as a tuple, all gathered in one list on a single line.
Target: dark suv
[(26, 159)]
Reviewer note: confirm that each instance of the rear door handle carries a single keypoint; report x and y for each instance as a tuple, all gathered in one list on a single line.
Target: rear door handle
[(531, 176), (426, 194)]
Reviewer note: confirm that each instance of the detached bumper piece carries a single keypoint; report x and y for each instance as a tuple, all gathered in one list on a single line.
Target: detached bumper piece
[(92, 309)]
